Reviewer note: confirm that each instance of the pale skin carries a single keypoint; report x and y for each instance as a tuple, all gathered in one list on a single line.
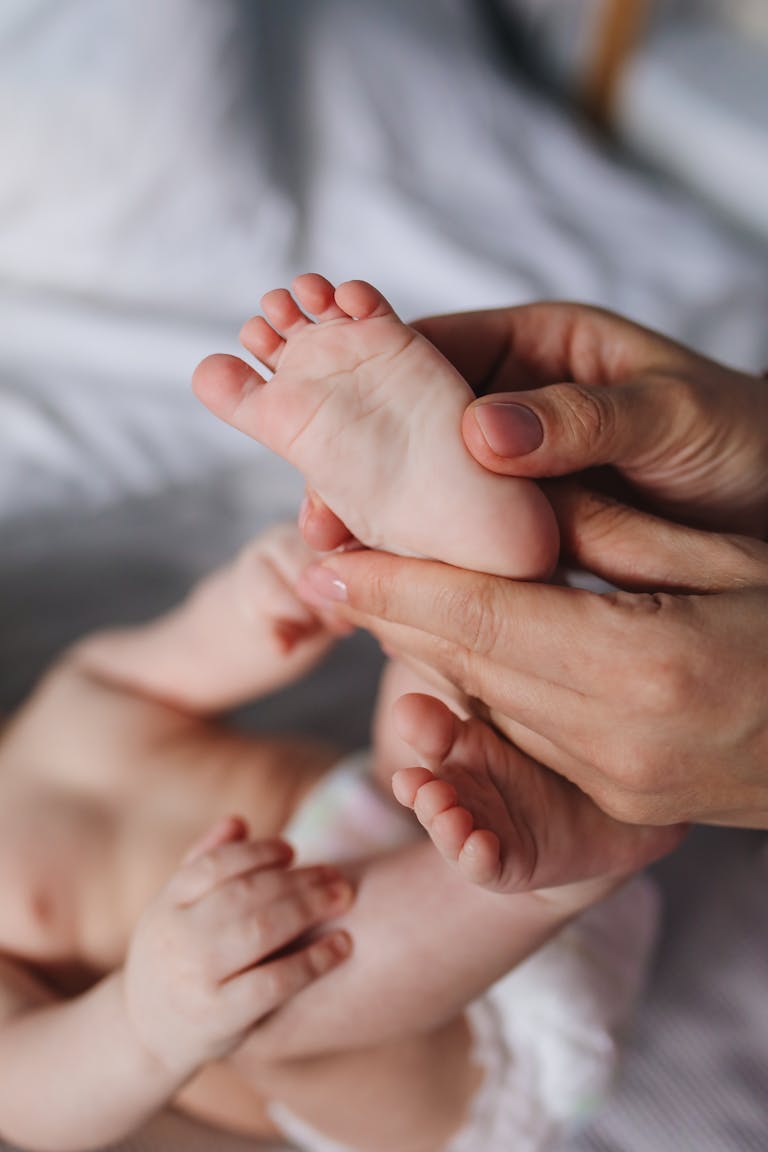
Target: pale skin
[(370, 413), (655, 706), (351, 389), (140, 918)]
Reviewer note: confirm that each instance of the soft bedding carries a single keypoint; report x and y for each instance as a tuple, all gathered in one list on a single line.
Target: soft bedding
[(163, 165)]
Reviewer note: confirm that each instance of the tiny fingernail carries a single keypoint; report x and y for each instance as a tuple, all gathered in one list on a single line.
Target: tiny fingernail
[(340, 943), (328, 951), (325, 583), (339, 892), (509, 429), (304, 511)]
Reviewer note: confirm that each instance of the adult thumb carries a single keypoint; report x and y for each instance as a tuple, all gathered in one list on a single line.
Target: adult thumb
[(566, 428)]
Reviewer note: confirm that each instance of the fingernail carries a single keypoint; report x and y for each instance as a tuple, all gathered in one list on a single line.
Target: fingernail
[(509, 429), (340, 944), (339, 893), (304, 510), (325, 583)]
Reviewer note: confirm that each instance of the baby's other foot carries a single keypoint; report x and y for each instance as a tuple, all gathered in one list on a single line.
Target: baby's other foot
[(508, 823), (370, 412)]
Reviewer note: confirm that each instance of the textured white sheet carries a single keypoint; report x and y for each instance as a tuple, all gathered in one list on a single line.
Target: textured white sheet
[(162, 166)]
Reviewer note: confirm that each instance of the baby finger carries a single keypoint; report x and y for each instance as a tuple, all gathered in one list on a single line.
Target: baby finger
[(247, 939), (260, 990)]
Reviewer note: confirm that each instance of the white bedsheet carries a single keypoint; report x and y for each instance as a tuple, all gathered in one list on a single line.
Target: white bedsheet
[(164, 164)]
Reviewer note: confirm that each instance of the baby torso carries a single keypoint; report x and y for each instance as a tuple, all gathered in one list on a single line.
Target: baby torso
[(101, 795)]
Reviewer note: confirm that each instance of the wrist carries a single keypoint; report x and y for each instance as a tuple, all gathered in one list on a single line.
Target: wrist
[(146, 1062)]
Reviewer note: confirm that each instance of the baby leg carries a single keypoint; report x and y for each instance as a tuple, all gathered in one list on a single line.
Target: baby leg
[(409, 1095)]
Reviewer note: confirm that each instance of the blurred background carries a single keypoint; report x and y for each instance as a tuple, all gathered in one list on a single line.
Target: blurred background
[(683, 83), (165, 162)]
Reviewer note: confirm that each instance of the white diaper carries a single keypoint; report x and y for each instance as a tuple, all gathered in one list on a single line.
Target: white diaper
[(346, 816), (547, 1035)]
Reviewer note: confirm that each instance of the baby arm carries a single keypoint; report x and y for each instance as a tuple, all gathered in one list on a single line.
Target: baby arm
[(241, 633), (197, 978), (72, 1073)]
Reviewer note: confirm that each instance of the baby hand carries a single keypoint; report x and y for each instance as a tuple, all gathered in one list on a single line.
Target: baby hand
[(201, 969)]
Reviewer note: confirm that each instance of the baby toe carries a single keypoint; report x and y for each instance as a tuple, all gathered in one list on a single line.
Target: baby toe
[(360, 299), (480, 857), (262, 341), (283, 312), (221, 382), (449, 831), (407, 782), (427, 724), (316, 295), (433, 798)]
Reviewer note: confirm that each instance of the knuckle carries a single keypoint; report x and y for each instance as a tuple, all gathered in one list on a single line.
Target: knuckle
[(633, 783), (741, 561), (455, 665), (660, 666), (237, 895), (378, 594), (202, 873), (661, 686), (260, 931), (599, 517), (684, 396), (477, 609), (587, 415), (253, 935), (628, 807)]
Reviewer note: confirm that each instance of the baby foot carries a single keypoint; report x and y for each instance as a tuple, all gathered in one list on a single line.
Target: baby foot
[(370, 412), (508, 823)]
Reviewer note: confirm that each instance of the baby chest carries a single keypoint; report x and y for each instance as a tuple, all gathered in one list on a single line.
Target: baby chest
[(52, 853)]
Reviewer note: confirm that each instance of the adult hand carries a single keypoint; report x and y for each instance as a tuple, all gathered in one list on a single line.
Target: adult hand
[(655, 704), (583, 388), (567, 387)]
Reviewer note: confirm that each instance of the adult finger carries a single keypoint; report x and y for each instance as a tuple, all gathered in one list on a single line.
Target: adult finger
[(637, 550), (510, 679), (538, 344), (542, 629)]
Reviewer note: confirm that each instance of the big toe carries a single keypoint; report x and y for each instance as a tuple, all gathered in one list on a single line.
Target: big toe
[(427, 724), (221, 382)]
